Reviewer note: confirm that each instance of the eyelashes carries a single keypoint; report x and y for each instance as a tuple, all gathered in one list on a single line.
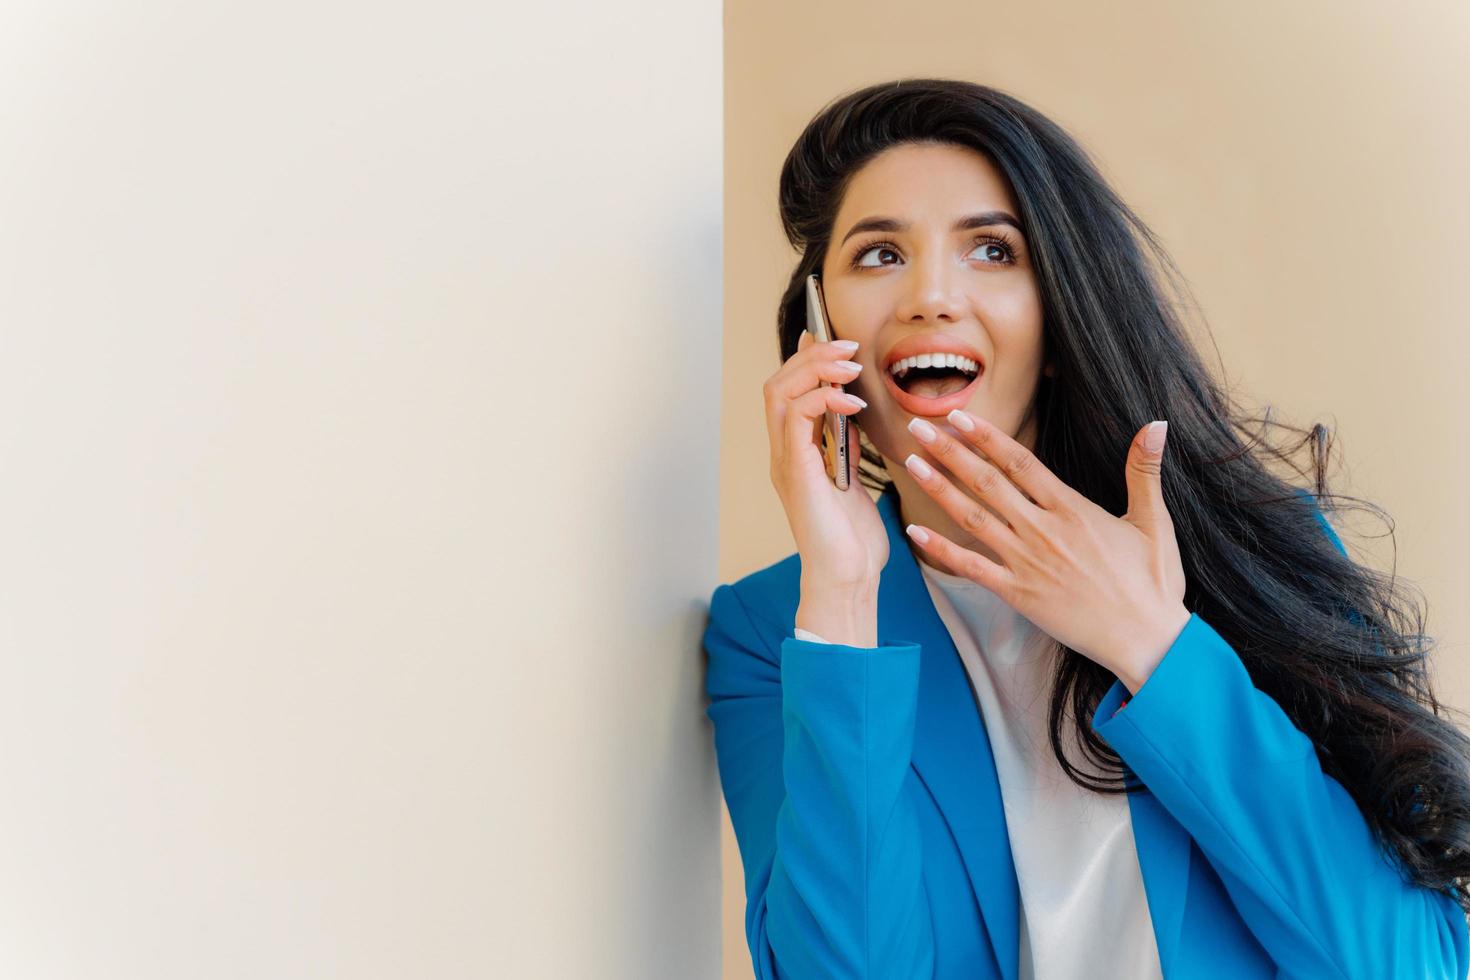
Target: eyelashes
[(990, 238)]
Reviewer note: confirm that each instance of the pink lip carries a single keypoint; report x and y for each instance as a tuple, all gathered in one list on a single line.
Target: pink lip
[(931, 343), (931, 407)]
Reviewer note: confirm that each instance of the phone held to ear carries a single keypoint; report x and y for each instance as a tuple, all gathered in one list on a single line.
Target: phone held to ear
[(834, 431)]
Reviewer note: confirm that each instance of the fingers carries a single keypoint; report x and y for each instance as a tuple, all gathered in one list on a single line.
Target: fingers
[(804, 371), (807, 413), (962, 561), (980, 480), (814, 362), (1019, 464), (975, 519)]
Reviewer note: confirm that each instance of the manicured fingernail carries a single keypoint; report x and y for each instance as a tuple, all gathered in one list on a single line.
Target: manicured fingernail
[(922, 430), (1153, 439), (961, 420), (918, 467), (855, 400), (917, 533), (850, 365), (845, 344)]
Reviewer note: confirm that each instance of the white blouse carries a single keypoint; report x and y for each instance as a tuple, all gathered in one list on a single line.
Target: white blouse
[(1083, 907)]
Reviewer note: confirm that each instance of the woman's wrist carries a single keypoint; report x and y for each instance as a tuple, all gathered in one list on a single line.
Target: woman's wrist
[(840, 614)]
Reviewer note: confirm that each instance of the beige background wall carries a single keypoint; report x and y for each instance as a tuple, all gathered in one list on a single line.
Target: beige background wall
[(1304, 162), (358, 368)]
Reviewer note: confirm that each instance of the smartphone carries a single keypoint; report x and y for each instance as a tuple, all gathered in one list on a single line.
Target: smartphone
[(834, 431)]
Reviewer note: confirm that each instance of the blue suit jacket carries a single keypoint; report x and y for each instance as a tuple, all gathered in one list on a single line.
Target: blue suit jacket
[(864, 798)]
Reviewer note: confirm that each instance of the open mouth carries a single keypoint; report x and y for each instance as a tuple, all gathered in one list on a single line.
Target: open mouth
[(935, 390), (935, 381)]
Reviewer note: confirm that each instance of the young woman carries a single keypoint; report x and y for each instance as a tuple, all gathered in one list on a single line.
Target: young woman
[(1061, 702)]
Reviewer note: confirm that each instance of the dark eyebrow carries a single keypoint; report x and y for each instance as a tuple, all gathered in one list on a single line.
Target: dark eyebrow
[(966, 223)]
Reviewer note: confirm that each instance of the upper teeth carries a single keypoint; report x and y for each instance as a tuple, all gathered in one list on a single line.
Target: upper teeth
[(900, 368)]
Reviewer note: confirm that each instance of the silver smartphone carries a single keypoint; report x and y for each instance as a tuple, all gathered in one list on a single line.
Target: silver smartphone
[(834, 432)]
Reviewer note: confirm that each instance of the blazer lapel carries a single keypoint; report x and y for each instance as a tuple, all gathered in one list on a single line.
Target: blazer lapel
[(964, 782), (951, 750)]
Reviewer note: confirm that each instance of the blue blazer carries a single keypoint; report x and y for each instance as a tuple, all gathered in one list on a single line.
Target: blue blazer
[(864, 798)]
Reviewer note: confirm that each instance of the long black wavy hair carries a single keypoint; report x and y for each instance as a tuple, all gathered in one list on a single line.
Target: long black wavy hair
[(1338, 645)]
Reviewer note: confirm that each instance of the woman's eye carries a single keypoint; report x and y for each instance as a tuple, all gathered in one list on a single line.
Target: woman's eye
[(1002, 254), (858, 262)]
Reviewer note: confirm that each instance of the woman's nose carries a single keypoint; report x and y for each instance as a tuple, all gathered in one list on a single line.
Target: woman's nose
[(933, 295)]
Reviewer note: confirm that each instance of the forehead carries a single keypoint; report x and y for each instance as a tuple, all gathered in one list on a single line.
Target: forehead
[(924, 182)]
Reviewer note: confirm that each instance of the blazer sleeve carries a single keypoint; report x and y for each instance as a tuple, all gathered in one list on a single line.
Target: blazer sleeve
[(813, 750), (1298, 859)]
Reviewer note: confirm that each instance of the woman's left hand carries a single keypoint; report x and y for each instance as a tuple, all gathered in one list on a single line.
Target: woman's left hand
[(1111, 588)]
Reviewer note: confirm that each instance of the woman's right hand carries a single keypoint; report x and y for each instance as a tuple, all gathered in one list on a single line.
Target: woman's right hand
[(839, 534)]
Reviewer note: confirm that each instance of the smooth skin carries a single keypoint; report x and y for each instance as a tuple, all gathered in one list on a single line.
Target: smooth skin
[(1111, 588)]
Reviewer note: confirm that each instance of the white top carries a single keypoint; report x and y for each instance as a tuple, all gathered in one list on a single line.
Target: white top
[(1083, 907)]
